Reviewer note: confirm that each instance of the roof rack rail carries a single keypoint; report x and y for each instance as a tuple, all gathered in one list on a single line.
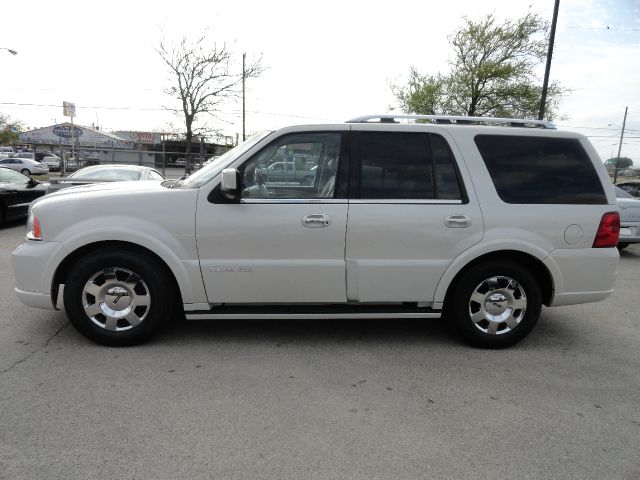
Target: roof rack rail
[(455, 120)]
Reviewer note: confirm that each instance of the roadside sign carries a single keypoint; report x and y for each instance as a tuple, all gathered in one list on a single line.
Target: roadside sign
[(69, 109)]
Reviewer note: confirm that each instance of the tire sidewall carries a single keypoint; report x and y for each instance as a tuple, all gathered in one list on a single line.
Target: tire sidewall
[(161, 307), (459, 304)]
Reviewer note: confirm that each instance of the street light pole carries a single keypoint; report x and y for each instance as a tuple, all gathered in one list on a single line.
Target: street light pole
[(552, 39), (244, 56), (615, 170)]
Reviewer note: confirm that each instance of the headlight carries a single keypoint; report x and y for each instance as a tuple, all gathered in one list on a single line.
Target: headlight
[(33, 230)]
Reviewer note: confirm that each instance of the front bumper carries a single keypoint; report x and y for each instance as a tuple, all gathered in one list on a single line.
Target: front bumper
[(34, 266), (35, 299)]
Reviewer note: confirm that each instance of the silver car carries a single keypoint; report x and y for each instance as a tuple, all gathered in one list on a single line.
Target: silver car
[(104, 173), (629, 218), (24, 166)]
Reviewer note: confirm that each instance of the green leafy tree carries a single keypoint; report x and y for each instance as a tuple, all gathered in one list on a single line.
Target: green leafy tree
[(202, 77), (619, 163), (9, 130), (491, 74)]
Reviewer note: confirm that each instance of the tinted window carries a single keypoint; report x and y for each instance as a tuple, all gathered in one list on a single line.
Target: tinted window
[(400, 165), (540, 170)]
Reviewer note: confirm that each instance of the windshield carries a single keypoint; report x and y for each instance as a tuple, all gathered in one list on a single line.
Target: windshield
[(620, 193), (209, 171), (11, 176)]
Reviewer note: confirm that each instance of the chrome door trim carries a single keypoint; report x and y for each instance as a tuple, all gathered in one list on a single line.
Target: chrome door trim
[(296, 201), (305, 316), (406, 202)]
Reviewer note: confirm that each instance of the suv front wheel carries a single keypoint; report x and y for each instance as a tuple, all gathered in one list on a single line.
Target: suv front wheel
[(495, 305), (118, 297)]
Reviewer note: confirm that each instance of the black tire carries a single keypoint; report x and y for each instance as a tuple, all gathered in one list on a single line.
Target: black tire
[(99, 282), (622, 245), (509, 324), (25, 171)]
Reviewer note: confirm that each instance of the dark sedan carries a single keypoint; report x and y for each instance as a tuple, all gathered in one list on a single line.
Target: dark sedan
[(17, 191), (104, 173)]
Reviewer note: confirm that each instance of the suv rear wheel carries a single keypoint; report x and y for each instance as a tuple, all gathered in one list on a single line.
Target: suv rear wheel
[(495, 305), (118, 297)]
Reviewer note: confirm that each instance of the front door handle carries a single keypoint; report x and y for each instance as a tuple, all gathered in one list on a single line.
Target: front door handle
[(316, 220), (457, 221)]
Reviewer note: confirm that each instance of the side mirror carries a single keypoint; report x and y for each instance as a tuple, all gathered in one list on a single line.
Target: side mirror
[(231, 184)]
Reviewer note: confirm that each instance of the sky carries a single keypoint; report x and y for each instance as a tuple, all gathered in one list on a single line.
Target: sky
[(324, 61)]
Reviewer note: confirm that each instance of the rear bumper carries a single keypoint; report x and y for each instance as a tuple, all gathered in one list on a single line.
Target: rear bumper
[(582, 275), (629, 232)]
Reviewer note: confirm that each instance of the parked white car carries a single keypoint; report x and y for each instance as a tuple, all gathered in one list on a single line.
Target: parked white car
[(6, 152), (51, 160), (483, 219), (104, 173), (25, 166)]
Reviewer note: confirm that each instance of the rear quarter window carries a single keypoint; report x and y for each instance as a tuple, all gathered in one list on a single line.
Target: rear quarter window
[(540, 170)]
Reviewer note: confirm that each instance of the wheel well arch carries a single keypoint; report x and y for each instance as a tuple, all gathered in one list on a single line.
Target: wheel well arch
[(73, 257), (534, 265)]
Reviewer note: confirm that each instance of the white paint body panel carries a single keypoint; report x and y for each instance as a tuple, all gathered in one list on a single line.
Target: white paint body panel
[(398, 252), (142, 213), (262, 253)]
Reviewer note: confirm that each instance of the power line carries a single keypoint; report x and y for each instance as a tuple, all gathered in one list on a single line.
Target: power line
[(236, 113), (88, 106), (604, 137), (606, 28)]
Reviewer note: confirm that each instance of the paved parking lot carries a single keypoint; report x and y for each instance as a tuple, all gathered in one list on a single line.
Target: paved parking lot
[(322, 399)]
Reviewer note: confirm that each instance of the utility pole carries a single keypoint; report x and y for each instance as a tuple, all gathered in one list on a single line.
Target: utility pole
[(552, 39), (244, 56), (615, 169)]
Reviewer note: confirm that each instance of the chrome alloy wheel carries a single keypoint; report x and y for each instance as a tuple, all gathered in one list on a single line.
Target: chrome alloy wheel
[(497, 305), (116, 299)]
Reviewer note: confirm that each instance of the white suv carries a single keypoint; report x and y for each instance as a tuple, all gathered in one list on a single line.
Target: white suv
[(482, 220)]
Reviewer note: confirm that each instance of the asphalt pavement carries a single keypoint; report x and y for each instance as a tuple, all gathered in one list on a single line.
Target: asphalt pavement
[(390, 399)]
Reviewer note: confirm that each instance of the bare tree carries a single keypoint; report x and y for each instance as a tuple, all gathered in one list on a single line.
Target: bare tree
[(202, 79)]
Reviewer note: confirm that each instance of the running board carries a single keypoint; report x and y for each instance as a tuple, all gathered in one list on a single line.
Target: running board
[(311, 312)]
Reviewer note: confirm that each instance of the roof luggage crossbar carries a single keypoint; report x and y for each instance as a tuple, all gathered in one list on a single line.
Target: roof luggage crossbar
[(456, 120)]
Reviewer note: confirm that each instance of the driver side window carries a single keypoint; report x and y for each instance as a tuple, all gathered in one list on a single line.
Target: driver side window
[(295, 166)]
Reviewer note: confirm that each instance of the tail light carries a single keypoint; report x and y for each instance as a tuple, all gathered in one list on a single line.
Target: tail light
[(33, 230), (608, 231)]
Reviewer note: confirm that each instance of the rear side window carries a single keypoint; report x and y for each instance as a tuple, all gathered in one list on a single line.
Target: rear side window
[(540, 170), (406, 165)]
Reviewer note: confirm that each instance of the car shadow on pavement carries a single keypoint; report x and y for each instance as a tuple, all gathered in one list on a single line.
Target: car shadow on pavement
[(630, 252), (552, 332), (340, 331)]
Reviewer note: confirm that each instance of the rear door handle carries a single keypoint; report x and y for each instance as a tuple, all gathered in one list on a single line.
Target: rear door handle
[(457, 221), (316, 220)]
